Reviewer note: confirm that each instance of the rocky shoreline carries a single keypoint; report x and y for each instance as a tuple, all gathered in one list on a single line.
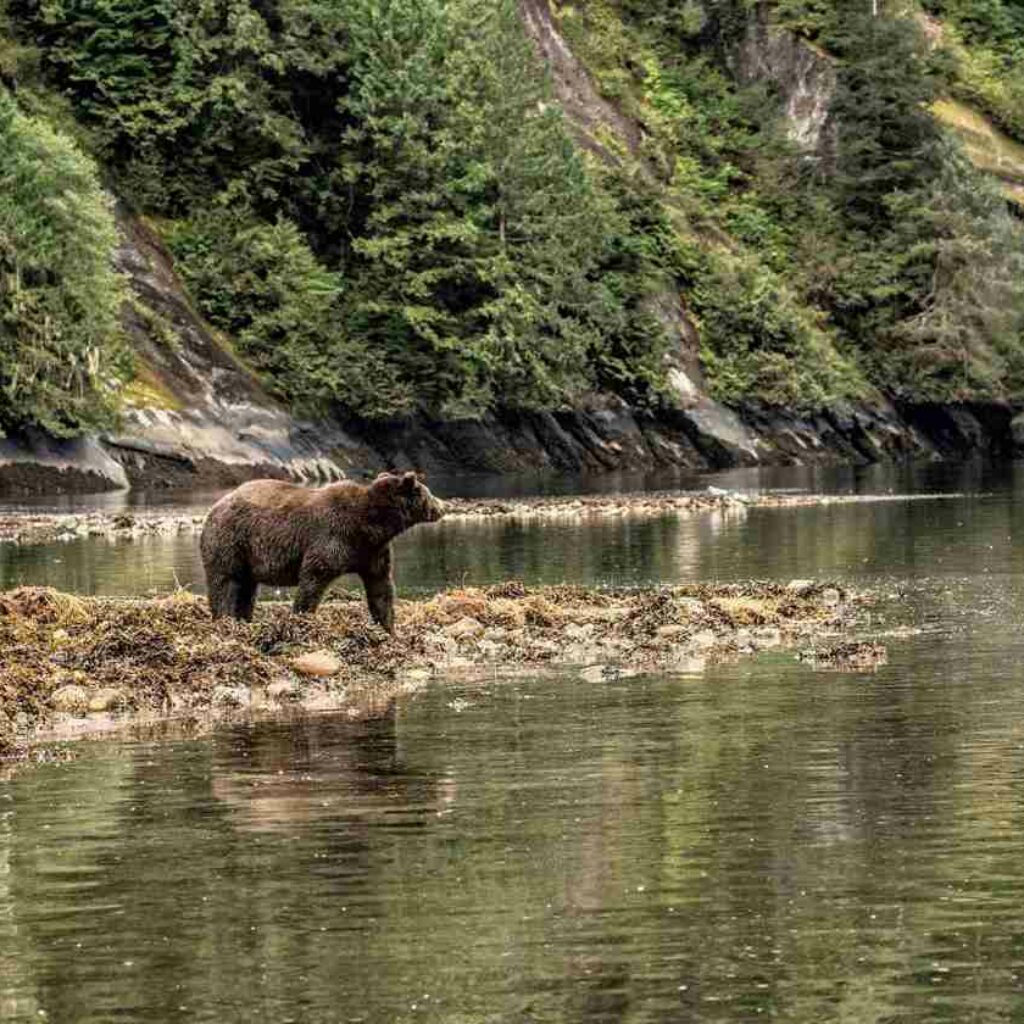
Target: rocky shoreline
[(157, 449), (73, 665), (28, 528)]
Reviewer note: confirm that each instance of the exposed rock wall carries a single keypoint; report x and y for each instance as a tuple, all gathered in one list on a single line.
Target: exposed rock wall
[(803, 77), (199, 414), (609, 436)]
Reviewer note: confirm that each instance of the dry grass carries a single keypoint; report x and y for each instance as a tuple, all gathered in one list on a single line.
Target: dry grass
[(988, 148)]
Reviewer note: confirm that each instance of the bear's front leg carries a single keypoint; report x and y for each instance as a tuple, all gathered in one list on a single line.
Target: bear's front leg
[(310, 593), (379, 584)]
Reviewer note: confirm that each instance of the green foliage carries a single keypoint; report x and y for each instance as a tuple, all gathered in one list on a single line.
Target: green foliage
[(985, 42), (888, 141), (757, 340), (262, 284), (382, 205), (60, 353)]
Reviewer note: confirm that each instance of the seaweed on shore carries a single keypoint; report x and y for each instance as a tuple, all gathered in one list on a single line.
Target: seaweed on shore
[(66, 655)]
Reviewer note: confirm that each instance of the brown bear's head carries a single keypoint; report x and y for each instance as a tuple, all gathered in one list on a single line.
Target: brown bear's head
[(410, 496)]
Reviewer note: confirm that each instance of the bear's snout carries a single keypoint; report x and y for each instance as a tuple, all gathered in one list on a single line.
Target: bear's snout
[(435, 510)]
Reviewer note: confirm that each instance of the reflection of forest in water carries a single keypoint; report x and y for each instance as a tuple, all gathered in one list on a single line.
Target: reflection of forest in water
[(766, 840)]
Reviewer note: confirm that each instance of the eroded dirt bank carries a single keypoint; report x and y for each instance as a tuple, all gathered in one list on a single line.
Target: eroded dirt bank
[(71, 661)]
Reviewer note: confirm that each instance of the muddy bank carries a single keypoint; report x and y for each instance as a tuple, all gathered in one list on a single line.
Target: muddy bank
[(43, 528), (75, 661)]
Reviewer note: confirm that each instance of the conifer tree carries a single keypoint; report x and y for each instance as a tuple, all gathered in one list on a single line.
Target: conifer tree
[(60, 351)]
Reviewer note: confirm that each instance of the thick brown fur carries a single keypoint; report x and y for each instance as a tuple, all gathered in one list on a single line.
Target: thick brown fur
[(268, 531)]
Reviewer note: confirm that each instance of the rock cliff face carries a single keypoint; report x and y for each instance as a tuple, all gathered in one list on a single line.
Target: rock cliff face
[(197, 417), (803, 77), (197, 411)]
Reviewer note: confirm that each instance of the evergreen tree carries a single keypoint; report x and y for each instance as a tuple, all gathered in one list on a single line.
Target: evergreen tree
[(60, 352), (888, 141)]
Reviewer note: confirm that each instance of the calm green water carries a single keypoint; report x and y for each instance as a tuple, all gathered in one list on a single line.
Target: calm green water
[(763, 842)]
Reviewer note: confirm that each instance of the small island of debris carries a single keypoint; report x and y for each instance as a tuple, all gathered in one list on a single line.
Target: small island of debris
[(68, 658)]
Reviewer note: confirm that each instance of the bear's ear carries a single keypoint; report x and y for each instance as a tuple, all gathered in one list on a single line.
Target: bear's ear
[(409, 483)]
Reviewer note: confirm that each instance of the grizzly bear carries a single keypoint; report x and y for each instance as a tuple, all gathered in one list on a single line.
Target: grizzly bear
[(268, 531)]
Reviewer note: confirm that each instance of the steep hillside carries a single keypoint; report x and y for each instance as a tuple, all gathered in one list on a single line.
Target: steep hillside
[(504, 235)]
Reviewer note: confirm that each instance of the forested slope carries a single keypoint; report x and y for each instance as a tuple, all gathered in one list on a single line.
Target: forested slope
[(460, 208)]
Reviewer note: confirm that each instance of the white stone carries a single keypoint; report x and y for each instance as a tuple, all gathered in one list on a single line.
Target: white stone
[(467, 626)]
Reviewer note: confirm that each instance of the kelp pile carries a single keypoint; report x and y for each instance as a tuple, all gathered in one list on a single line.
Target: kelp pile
[(70, 656)]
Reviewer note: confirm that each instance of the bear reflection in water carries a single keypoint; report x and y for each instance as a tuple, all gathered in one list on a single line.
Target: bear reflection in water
[(269, 531), (282, 776)]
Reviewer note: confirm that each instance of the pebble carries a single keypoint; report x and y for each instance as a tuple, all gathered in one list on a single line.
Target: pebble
[(465, 627), (107, 699), (70, 698), (284, 690), (319, 664)]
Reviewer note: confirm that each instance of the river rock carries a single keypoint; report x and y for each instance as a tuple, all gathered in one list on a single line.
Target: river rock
[(284, 690), (230, 697), (107, 699), (801, 587), (767, 636), (689, 606), (595, 673), (70, 698), (417, 675), (490, 648), (467, 626), (579, 631), (684, 663), (440, 645), (319, 664), (670, 631), (704, 639)]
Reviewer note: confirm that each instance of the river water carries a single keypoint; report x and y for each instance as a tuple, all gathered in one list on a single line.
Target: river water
[(764, 841)]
